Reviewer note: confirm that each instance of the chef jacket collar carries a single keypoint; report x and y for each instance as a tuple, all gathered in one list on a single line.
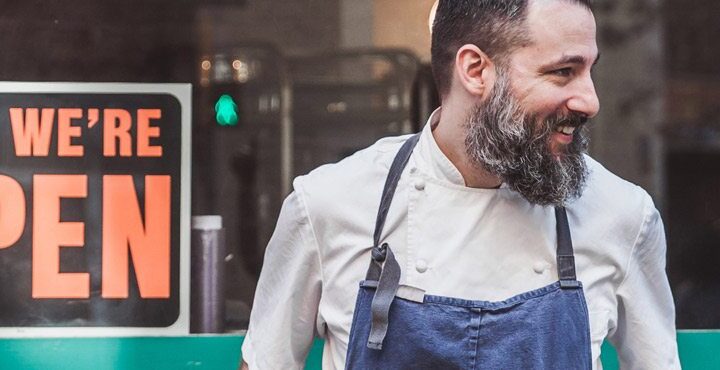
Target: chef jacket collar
[(432, 160)]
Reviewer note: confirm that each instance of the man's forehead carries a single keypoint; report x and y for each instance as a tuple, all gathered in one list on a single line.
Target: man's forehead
[(562, 29)]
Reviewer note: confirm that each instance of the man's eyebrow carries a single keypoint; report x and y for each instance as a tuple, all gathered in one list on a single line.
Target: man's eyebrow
[(573, 59)]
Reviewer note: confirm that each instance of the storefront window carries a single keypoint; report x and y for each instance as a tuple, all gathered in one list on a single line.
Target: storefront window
[(281, 87)]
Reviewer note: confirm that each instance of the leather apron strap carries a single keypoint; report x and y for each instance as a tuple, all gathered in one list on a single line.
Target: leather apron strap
[(565, 254), (391, 182), (387, 276)]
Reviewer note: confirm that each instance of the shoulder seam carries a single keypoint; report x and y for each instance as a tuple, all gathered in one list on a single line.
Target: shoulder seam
[(306, 213), (638, 239)]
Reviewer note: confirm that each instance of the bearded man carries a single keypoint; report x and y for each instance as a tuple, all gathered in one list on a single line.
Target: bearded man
[(493, 241)]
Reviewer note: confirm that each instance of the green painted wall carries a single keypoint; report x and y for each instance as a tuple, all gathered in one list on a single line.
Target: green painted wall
[(698, 351), (159, 353)]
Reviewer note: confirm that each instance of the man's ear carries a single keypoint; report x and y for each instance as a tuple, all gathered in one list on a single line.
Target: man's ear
[(474, 70)]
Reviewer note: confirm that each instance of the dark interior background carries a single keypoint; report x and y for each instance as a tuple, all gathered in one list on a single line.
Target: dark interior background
[(659, 82)]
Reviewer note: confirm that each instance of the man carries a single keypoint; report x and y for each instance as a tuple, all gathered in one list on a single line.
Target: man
[(498, 244)]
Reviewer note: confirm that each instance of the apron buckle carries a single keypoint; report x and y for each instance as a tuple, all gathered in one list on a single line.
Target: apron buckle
[(380, 253), (567, 284)]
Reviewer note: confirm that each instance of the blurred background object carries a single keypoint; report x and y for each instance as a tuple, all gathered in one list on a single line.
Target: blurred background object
[(345, 101), (243, 117), (281, 87), (207, 275)]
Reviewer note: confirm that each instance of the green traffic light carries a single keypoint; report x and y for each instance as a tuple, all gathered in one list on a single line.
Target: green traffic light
[(226, 111)]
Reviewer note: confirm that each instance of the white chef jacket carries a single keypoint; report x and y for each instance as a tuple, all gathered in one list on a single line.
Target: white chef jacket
[(456, 241)]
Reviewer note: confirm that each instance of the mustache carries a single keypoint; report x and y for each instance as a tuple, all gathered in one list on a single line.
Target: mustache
[(571, 119)]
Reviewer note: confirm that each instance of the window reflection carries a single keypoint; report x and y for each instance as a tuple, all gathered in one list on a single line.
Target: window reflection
[(310, 82)]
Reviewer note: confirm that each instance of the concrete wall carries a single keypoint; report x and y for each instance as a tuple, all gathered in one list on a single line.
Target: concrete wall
[(403, 23), (356, 23)]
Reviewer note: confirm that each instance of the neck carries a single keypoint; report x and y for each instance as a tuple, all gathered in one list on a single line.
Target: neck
[(449, 133)]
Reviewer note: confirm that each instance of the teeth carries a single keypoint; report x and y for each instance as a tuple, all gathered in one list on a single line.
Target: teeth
[(567, 130)]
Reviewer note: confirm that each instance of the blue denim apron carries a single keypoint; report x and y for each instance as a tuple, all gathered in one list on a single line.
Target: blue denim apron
[(546, 328)]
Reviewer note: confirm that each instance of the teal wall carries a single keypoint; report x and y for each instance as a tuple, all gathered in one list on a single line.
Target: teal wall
[(698, 351)]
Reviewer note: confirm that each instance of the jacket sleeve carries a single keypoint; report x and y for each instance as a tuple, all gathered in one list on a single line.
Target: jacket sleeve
[(284, 312), (645, 336)]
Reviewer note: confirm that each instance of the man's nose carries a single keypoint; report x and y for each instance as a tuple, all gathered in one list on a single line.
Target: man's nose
[(584, 99)]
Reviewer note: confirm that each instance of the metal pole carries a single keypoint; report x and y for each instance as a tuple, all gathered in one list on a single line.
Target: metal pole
[(207, 287)]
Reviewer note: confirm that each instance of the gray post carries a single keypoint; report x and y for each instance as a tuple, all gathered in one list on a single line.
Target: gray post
[(207, 275)]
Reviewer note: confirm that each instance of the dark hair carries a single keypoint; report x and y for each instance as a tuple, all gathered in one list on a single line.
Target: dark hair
[(497, 27)]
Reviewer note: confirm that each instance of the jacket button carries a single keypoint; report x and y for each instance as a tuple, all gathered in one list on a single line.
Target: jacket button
[(421, 266), (420, 185), (539, 267)]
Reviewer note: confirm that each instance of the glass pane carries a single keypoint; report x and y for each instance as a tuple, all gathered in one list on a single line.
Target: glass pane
[(281, 87)]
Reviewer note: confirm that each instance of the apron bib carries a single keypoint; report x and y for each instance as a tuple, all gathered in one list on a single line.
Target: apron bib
[(545, 328)]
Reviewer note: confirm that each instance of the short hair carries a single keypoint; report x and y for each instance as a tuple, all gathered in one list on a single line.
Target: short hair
[(497, 27)]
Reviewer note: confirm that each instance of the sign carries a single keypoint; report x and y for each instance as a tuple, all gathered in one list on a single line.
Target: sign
[(94, 209)]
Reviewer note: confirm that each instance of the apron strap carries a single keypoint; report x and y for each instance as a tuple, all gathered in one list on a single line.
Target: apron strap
[(565, 254), (384, 268), (391, 183), (384, 294)]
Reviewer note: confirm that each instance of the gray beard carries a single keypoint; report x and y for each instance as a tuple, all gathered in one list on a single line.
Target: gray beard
[(505, 141)]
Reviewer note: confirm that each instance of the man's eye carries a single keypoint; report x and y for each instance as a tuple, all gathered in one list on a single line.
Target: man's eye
[(563, 72)]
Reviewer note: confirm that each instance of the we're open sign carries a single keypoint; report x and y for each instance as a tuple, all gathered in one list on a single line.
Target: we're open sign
[(94, 209)]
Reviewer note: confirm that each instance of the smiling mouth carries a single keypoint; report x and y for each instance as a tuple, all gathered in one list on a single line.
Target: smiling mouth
[(562, 137), (567, 130)]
